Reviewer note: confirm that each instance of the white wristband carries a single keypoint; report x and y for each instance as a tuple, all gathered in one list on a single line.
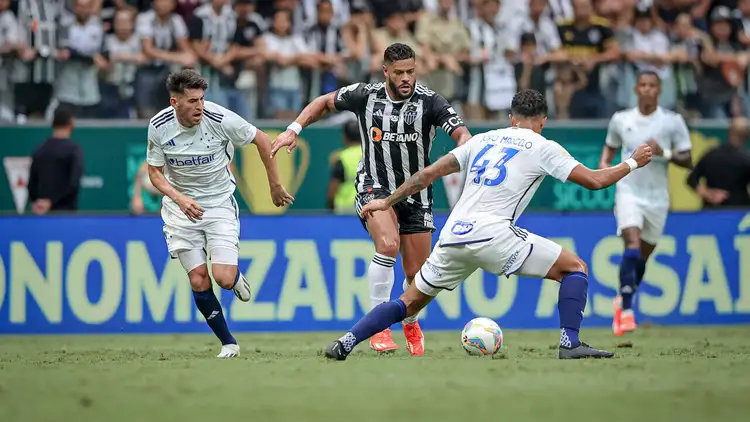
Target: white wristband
[(295, 127), (631, 163), (667, 154)]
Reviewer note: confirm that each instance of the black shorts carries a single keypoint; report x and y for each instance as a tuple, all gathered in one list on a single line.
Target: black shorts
[(412, 218)]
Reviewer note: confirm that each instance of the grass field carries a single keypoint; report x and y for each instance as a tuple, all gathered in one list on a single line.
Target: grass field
[(659, 374)]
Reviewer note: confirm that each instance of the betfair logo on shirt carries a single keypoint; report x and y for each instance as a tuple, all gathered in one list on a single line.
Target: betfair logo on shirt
[(197, 160)]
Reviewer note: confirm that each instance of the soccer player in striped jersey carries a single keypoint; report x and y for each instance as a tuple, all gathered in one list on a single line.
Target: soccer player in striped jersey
[(642, 198), (190, 147), (397, 120)]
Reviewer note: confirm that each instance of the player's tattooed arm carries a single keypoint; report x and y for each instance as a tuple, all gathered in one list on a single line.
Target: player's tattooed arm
[(316, 110), (446, 165)]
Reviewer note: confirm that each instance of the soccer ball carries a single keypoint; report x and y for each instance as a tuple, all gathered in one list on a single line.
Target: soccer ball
[(482, 336)]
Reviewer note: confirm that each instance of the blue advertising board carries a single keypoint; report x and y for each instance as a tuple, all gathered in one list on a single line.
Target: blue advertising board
[(112, 274)]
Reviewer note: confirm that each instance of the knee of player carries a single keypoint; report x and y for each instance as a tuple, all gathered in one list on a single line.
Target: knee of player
[(387, 246), (578, 265), (225, 276), (199, 279)]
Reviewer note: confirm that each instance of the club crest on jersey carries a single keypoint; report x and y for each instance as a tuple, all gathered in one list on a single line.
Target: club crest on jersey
[(461, 228), (410, 113)]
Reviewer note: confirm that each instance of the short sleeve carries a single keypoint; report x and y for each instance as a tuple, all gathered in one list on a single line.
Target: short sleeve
[(154, 152), (681, 135), (463, 154), (556, 161), (608, 36), (144, 27), (350, 97), (179, 27), (444, 116), (238, 130), (337, 171), (613, 139), (195, 28)]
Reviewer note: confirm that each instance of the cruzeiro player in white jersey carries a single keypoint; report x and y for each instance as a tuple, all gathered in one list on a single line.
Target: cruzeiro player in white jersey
[(504, 168), (190, 146), (642, 199)]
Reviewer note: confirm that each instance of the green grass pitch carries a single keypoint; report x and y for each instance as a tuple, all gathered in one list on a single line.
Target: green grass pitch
[(659, 374)]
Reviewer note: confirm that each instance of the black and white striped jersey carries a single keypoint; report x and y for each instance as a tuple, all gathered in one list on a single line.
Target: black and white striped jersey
[(396, 135)]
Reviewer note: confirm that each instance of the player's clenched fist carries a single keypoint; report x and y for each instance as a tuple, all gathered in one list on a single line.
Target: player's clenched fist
[(280, 196), (192, 210), (286, 139), (642, 155), (374, 205)]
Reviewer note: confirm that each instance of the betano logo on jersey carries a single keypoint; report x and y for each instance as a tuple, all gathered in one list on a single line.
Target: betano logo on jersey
[(377, 135), (197, 160)]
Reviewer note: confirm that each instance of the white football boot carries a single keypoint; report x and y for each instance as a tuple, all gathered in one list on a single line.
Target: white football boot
[(229, 351), (242, 290)]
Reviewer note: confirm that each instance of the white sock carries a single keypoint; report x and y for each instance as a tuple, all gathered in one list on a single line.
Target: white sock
[(380, 275), (412, 319)]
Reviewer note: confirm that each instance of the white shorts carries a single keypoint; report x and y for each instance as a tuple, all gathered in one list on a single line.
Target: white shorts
[(630, 212), (513, 251), (219, 228)]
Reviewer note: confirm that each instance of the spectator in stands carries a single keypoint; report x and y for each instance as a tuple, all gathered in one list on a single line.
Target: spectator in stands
[(342, 188), (164, 38), (35, 73), (123, 50), (81, 43), (445, 42), (212, 32), (724, 69), (743, 24), (665, 12), (357, 36), (395, 31), (722, 176), (328, 50), (9, 46), (590, 43), (56, 168), (686, 46), (248, 54), (647, 49), (492, 79), (285, 52)]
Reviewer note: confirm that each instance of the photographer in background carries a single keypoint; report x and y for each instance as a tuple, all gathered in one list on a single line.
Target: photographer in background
[(56, 168)]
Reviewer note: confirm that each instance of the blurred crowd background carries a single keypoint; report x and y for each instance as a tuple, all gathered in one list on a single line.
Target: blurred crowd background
[(108, 59)]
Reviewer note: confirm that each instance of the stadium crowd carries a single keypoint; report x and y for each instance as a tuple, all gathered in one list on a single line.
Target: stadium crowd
[(267, 58)]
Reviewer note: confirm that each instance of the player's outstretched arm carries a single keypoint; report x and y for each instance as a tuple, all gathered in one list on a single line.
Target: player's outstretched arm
[(604, 178), (192, 210), (314, 111), (446, 165), (279, 195)]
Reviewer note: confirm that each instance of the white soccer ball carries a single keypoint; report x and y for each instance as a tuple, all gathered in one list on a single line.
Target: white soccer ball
[(482, 337)]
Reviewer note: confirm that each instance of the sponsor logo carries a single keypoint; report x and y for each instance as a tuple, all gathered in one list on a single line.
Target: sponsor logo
[(461, 228), (197, 160), (433, 269), (511, 261)]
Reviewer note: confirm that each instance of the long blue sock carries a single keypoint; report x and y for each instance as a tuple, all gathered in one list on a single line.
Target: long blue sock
[(629, 276), (640, 270), (570, 305), (377, 320), (211, 309)]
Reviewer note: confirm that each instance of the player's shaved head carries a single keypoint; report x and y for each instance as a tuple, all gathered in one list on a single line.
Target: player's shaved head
[(529, 110), (187, 89)]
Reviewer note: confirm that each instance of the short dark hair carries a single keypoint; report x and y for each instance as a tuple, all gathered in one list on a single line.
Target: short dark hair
[(529, 103), (62, 117), (178, 82), (398, 51), (351, 131), (643, 73)]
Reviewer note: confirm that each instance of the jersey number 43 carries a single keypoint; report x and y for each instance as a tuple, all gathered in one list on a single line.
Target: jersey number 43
[(495, 174)]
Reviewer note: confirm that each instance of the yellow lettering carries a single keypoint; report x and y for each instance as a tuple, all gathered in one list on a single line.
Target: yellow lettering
[(349, 287), (261, 254), (705, 256), (304, 262), (496, 307), (742, 304), (606, 273), (547, 302), (662, 277), (26, 275), (111, 281), (143, 285)]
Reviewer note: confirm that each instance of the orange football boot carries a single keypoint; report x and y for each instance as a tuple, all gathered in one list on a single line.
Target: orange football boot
[(414, 338), (624, 320), (383, 341)]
